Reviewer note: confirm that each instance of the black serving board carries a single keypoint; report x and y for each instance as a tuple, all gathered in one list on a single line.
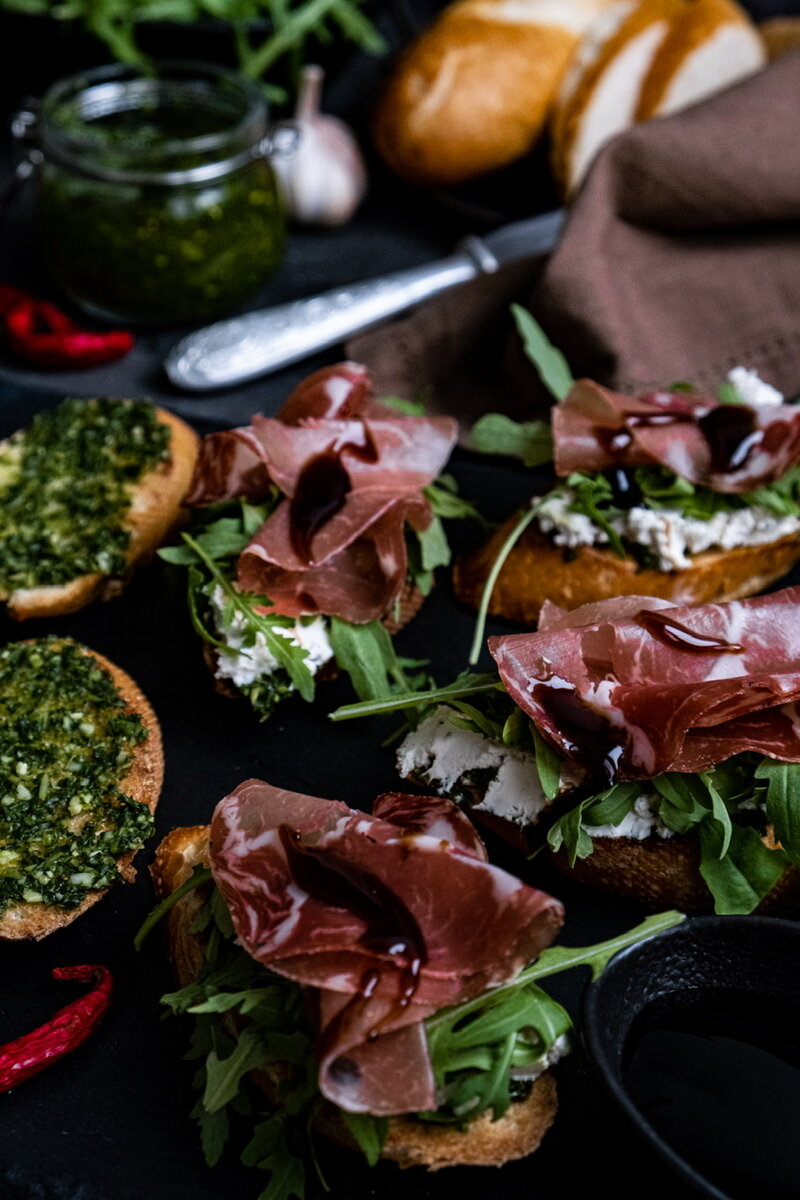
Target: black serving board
[(110, 1121)]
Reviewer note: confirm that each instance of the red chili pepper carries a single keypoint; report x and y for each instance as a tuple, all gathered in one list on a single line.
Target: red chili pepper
[(44, 335), (70, 1026)]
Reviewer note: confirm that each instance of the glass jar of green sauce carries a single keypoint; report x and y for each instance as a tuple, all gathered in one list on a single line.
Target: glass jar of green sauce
[(156, 198)]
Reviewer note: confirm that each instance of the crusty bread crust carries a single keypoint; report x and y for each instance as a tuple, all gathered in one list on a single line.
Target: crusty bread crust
[(409, 1143), (142, 782), (663, 873), (677, 30), (536, 570), (473, 93), (155, 513)]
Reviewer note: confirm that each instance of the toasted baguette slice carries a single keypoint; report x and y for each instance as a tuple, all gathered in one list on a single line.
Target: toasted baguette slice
[(155, 512), (536, 570), (663, 873), (409, 1142), (142, 782)]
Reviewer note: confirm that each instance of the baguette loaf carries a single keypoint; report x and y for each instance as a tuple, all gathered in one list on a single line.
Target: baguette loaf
[(154, 513), (409, 1142), (643, 60), (473, 93), (537, 570), (141, 780)]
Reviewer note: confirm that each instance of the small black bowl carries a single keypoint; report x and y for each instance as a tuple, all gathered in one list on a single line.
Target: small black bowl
[(694, 1025)]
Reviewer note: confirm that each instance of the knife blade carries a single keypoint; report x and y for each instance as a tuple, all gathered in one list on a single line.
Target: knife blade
[(242, 348)]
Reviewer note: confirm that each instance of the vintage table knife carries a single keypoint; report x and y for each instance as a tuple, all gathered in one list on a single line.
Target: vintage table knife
[(242, 348)]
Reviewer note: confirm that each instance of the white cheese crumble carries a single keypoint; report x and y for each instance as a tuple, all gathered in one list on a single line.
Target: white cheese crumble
[(753, 389), (560, 1047), (257, 660), (665, 533), (444, 756), (640, 823)]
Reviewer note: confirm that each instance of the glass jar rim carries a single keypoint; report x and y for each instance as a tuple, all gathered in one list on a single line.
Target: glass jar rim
[(122, 87)]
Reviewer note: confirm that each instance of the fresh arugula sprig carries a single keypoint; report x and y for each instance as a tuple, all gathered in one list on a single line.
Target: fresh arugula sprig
[(724, 808), (474, 1045), (293, 25)]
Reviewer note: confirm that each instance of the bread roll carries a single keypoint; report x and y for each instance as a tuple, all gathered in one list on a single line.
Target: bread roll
[(473, 93), (643, 60)]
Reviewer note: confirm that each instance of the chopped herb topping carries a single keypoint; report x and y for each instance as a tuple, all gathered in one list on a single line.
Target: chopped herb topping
[(65, 485), (66, 739)]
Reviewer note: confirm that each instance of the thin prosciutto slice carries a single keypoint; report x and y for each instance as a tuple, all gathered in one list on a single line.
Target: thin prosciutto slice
[(726, 447), (351, 474), (634, 687), (386, 918)]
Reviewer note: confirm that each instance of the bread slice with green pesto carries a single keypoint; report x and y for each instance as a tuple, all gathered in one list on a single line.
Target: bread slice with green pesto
[(88, 491), (81, 768)]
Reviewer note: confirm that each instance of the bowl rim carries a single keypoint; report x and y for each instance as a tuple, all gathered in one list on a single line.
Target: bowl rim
[(604, 1061)]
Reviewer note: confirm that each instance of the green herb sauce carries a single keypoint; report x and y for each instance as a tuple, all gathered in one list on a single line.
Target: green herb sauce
[(65, 489), (159, 252), (66, 739)]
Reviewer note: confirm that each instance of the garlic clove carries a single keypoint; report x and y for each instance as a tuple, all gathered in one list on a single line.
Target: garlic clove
[(324, 179)]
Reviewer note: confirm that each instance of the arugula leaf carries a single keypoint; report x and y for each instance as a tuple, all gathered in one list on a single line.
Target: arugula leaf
[(594, 498), (530, 441), (549, 362), (728, 394), (548, 764), (741, 878), (224, 1076), (407, 408), (198, 877), (368, 1132), (367, 654), (607, 808), (783, 803), (466, 685), (516, 533), (445, 501), (291, 658), (294, 26), (268, 1149)]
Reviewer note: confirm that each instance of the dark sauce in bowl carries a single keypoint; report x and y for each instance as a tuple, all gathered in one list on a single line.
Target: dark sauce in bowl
[(716, 1073)]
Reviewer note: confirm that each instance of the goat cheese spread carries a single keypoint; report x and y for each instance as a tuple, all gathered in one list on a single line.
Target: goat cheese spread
[(668, 535), (560, 1047), (244, 664), (640, 823), (455, 761)]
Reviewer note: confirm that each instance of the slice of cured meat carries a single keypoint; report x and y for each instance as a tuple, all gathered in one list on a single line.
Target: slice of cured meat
[(726, 447), (634, 688), (351, 475), (388, 918)]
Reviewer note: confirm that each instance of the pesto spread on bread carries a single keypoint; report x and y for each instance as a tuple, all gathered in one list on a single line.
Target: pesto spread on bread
[(67, 738), (65, 488)]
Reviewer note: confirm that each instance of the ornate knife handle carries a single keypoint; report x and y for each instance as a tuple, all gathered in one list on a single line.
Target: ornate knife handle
[(242, 348)]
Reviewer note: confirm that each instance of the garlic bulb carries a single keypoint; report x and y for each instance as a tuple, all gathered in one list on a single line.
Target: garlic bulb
[(324, 179)]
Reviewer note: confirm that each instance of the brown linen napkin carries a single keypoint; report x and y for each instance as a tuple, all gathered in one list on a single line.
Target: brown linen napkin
[(680, 259)]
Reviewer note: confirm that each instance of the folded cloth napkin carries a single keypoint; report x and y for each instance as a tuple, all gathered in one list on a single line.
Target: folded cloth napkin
[(679, 260)]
